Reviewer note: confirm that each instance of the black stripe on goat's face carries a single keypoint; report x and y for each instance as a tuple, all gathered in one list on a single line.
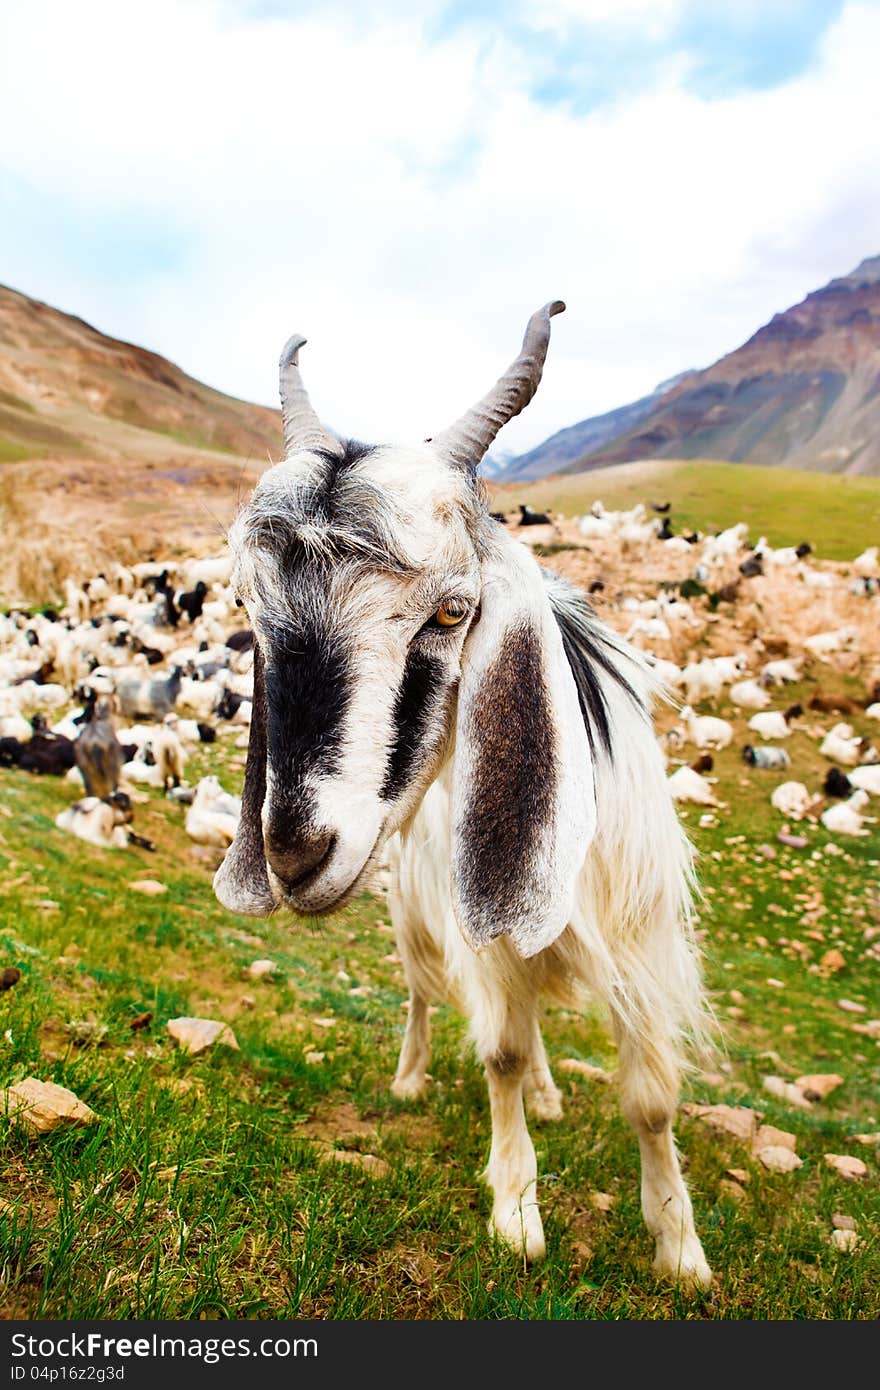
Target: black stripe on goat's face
[(360, 578)]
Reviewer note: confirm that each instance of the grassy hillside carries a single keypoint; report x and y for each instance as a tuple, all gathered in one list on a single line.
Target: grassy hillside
[(838, 515), (207, 1189)]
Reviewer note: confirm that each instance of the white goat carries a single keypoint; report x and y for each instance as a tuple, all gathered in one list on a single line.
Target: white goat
[(792, 799), (845, 817), (421, 683), (705, 730), (749, 694)]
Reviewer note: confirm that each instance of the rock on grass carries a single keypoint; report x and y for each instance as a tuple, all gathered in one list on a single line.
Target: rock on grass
[(194, 1035), (41, 1106)]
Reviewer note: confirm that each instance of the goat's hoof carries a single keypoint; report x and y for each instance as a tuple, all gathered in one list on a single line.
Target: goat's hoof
[(545, 1104), (683, 1264), (410, 1087), (518, 1226)]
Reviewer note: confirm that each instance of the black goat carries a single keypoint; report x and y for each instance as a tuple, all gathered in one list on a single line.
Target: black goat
[(837, 783), (229, 703), (190, 600), (45, 752), (529, 518), (752, 566), (240, 641)]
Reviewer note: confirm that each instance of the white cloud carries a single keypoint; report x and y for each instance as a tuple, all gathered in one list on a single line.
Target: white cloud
[(406, 203)]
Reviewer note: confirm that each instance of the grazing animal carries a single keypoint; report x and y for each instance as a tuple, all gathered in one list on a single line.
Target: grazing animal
[(47, 753), (832, 704), (770, 723), (529, 518), (149, 699), (191, 601), (845, 817), (837, 783), (792, 799), (867, 778), (422, 685), (101, 821), (749, 694), (687, 785), (704, 763), (841, 744), (782, 672), (213, 814), (705, 730), (98, 753), (752, 566)]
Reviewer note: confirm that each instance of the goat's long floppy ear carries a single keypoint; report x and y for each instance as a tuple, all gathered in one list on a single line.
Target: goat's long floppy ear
[(241, 883), (523, 803)]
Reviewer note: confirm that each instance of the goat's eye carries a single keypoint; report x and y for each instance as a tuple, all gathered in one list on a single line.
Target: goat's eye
[(449, 615)]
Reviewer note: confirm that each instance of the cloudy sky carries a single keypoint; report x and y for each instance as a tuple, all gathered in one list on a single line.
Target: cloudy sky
[(405, 181)]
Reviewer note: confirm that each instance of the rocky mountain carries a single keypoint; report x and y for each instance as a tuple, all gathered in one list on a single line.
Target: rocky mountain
[(564, 448), (66, 389), (803, 392)]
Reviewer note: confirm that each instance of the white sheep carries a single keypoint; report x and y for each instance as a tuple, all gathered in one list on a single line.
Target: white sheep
[(749, 694), (841, 745), (687, 785), (867, 564), (705, 730), (785, 671), (792, 799), (770, 723), (867, 778), (213, 815), (845, 817), (98, 822)]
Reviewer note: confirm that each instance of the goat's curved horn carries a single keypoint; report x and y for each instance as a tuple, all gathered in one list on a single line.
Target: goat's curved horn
[(465, 442), (302, 428)]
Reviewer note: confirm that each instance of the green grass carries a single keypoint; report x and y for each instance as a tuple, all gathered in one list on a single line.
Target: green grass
[(202, 1191), (838, 514)]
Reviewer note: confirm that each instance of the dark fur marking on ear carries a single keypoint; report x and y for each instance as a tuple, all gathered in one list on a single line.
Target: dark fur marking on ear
[(586, 650), (244, 867), (413, 707), (512, 797)]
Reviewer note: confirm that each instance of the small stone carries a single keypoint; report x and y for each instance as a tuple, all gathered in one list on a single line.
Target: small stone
[(843, 1223), (739, 1175), (833, 960), (769, 1136), (86, 1031), (248, 1001), (846, 1166), (784, 1090), (574, 1064), (602, 1201), (845, 1240), (871, 1141), (850, 1006), (731, 1189), (9, 976), (150, 886), (325, 1022), (41, 1106), (141, 1021), (779, 1160), (818, 1086), (737, 1120), (47, 904), (376, 1167), (777, 984), (259, 969), (195, 1034), (793, 841), (767, 851), (313, 1057)]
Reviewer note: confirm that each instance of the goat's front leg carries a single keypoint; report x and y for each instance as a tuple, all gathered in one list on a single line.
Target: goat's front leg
[(411, 1075), (649, 1082), (512, 1170)]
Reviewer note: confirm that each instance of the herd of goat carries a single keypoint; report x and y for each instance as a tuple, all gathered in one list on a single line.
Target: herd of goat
[(112, 689)]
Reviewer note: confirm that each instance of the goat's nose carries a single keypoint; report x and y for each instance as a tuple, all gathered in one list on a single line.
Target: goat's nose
[(293, 858)]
